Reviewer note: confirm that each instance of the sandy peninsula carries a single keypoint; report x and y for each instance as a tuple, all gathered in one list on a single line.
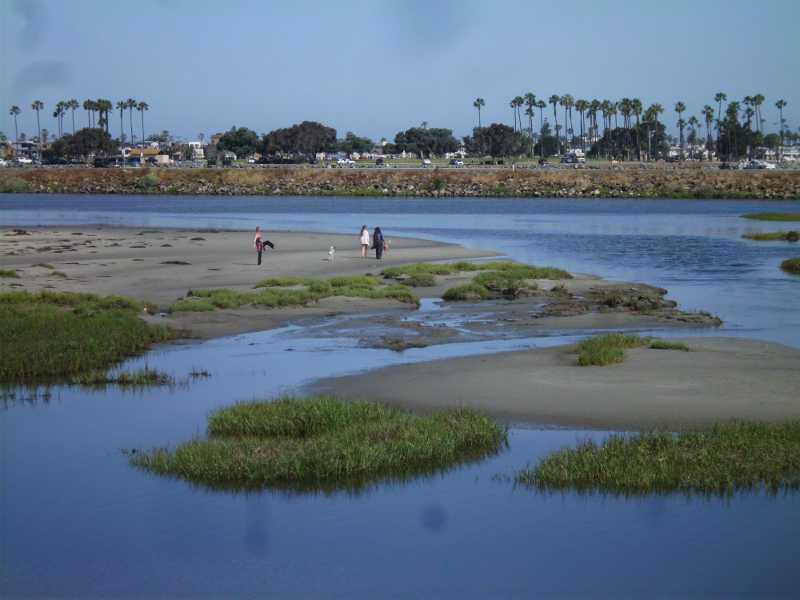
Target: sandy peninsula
[(718, 380)]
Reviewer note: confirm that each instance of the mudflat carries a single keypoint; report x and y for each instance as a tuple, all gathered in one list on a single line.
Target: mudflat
[(720, 379)]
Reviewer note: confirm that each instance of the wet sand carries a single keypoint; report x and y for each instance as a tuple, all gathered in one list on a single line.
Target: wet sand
[(719, 380)]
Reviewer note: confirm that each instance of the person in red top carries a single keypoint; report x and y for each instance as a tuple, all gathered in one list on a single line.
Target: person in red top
[(260, 244)]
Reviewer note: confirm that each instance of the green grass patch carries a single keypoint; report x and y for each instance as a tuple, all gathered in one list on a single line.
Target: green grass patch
[(467, 267), (8, 274), (420, 279), (791, 265), (51, 336), (610, 348), (278, 292), (466, 292), (722, 460), (14, 185), (323, 443), (767, 216), (142, 378), (44, 266), (775, 236)]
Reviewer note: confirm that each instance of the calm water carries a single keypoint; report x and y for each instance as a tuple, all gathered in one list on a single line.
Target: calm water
[(78, 521)]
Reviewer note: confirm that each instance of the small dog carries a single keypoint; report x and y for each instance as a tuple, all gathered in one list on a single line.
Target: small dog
[(331, 254)]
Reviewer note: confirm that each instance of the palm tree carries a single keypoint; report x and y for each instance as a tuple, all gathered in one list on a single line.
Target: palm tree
[(719, 98), (636, 108), (14, 111), (58, 114), (143, 106), (479, 103), (72, 105), (594, 106), (541, 105), (554, 100), (513, 105), (530, 105), (87, 106), (121, 106), (567, 102), (758, 100), (679, 108), (708, 115), (780, 105), (520, 101), (130, 103), (651, 116), (693, 123), (37, 106), (581, 106)]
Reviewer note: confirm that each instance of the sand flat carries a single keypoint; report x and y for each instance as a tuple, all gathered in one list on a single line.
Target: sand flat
[(719, 380)]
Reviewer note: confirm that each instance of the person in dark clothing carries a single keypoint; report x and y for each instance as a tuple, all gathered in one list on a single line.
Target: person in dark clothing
[(260, 245), (378, 243)]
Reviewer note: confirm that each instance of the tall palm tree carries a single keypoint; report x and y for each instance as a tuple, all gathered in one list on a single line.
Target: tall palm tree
[(719, 98), (541, 105), (121, 106), (141, 107), (513, 105), (708, 115), (780, 105), (651, 116), (636, 109), (14, 111), (594, 107), (72, 105), (479, 103), (530, 105), (58, 114), (131, 104), (693, 123), (758, 100), (37, 106), (520, 101), (554, 100), (87, 106), (567, 102), (581, 106), (679, 108)]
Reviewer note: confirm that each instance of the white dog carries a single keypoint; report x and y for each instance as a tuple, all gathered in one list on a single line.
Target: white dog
[(331, 253)]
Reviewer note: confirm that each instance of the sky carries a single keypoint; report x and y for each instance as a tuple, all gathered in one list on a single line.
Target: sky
[(376, 67)]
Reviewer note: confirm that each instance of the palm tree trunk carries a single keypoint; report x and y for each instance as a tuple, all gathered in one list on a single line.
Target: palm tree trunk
[(142, 134), (16, 130)]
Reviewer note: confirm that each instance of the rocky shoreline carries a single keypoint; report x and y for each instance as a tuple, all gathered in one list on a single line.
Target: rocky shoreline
[(632, 181)]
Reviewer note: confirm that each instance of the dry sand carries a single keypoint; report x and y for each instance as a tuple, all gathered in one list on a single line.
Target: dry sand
[(720, 379), (135, 262)]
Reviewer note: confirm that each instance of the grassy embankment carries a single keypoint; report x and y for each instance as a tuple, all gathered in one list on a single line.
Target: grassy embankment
[(278, 292), (8, 274), (55, 337), (791, 265), (775, 236), (767, 216), (495, 278), (323, 443), (724, 459), (610, 348)]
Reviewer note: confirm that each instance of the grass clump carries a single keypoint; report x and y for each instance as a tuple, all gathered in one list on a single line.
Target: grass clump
[(776, 236), (610, 348), (14, 185), (466, 292), (768, 216), (323, 442), (721, 460), (419, 280), (791, 265), (8, 274), (287, 281), (467, 267), (52, 336), (142, 378)]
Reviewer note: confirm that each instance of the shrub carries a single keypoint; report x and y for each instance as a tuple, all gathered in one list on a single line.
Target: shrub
[(466, 292), (791, 265)]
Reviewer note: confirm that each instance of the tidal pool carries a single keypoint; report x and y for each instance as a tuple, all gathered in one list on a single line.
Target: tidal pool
[(78, 520)]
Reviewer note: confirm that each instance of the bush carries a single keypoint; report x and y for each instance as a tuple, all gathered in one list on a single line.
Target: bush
[(466, 292), (791, 265)]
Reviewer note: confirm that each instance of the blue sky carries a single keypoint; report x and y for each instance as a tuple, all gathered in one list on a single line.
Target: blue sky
[(377, 67)]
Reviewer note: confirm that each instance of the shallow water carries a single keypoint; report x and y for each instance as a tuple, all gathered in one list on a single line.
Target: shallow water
[(77, 520)]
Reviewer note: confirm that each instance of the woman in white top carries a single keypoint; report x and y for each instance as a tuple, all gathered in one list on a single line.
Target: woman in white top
[(364, 241)]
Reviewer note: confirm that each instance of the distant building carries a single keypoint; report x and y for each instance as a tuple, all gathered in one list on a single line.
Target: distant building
[(197, 150)]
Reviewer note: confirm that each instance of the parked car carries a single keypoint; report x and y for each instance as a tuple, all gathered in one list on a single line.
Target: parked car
[(22, 160), (426, 162), (379, 162), (3, 162), (759, 164), (456, 163), (543, 162), (346, 162)]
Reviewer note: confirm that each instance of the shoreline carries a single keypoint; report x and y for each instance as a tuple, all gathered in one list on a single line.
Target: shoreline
[(631, 181)]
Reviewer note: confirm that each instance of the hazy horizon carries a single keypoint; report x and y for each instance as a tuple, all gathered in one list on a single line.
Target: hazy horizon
[(376, 68)]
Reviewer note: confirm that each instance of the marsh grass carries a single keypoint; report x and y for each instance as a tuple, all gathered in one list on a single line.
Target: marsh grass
[(278, 292), (48, 337), (419, 280), (791, 265), (610, 348), (767, 216), (323, 442), (466, 292), (467, 267), (776, 236), (8, 274), (724, 459), (142, 378)]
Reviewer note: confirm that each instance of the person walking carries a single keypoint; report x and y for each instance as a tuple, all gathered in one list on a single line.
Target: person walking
[(260, 244), (377, 243), (364, 241)]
